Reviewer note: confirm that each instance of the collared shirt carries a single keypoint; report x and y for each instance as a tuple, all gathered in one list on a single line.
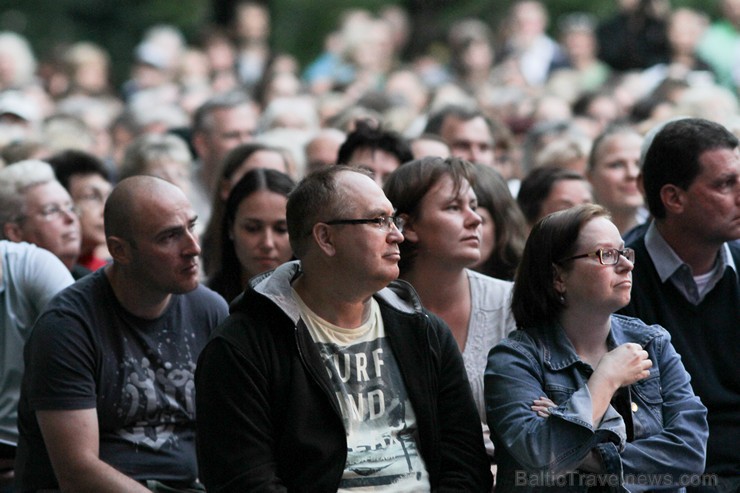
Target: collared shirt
[(670, 266)]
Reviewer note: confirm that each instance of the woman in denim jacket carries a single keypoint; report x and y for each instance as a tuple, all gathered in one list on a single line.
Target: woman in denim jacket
[(580, 399)]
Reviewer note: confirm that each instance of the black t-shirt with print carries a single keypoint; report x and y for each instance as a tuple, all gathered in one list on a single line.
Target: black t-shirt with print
[(87, 351)]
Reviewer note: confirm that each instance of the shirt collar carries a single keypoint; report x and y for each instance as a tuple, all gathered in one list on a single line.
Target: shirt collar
[(559, 351), (667, 262)]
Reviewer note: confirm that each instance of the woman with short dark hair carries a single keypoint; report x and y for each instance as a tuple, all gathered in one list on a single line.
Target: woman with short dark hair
[(442, 232)]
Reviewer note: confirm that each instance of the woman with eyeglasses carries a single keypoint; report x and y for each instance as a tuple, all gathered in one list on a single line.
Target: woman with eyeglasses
[(579, 397), (442, 232)]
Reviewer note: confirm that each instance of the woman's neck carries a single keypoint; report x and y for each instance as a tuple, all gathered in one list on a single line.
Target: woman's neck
[(625, 220), (445, 293), (587, 332), (438, 287)]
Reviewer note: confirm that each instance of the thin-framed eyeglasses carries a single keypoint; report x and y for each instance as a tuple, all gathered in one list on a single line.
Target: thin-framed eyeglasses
[(606, 256), (97, 197), (382, 222), (51, 212)]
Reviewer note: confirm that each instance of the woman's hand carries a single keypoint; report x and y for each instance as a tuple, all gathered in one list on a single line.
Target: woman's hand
[(542, 406), (623, 365)]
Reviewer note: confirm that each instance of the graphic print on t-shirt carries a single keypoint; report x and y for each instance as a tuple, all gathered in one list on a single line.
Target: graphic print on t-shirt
[(155, 401), (378, 417)]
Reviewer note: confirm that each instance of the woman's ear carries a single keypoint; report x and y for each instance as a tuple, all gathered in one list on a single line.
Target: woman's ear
[(224, 189), (558, 279), (409, 233)]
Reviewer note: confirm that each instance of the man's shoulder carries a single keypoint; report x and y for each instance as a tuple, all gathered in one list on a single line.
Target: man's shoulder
[(32, 270), (207, 299), (734, 247), (90, 291), (254, 316), (22, 254), (400, 296)]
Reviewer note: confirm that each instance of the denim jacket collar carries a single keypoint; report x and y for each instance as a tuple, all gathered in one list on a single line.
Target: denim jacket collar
[(559, 352)]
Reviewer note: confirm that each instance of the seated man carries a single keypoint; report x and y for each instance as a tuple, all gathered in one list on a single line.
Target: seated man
[(337, 377), (29, 278), (467, 132), (107, 400), (686, 272), (35, 207)]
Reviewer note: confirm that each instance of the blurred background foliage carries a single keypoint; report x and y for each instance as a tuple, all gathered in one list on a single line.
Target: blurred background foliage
[(298, 26)]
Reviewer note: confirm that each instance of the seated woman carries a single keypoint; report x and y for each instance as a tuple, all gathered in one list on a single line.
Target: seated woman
[(254, 233), (235, 165), (442, 239), (504, 228), (613, 168), (549, 189), (578, 389)]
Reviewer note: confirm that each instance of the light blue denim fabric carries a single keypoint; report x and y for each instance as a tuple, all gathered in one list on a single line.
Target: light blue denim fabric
[(542, 454)]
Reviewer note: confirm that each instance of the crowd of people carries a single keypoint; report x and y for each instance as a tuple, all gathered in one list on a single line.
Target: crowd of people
[(510, 261)]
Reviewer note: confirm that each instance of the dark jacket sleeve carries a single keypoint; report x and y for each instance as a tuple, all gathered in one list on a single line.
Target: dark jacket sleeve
[(235, 436), (464, 463)]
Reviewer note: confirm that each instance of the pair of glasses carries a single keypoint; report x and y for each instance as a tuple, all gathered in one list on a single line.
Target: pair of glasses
[(51, 212), (607, 256), (383, 223), (93, 197)]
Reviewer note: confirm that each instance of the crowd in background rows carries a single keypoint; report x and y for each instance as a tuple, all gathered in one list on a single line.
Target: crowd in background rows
[(549, 124), (561, 120), (646, 62)]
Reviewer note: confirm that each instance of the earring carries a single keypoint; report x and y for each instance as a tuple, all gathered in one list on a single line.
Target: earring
[(562, 298)]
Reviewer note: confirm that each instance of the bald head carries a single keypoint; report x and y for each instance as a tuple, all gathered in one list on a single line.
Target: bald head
[(130, 200)]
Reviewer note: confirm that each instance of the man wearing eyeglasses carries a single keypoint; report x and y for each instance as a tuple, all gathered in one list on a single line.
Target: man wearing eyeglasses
[(337, 379), (686, 276), (35, 208)]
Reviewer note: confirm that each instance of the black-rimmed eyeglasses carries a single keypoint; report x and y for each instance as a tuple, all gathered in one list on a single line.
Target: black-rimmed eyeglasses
[(606, 256), (382, 222)]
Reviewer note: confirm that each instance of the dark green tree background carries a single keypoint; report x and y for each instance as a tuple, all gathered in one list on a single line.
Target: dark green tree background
[(299, 26)]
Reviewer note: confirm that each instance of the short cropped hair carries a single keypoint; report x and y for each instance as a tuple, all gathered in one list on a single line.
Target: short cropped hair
[(316, 198), (151, 149), (535, 302), (437, 119), (203, 117), (14, 181), (72, 162), (673, 156), (367, 137), (407, 186)]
